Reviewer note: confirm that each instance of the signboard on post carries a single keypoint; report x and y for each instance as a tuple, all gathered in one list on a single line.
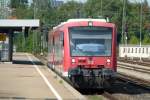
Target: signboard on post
[(2, 37)]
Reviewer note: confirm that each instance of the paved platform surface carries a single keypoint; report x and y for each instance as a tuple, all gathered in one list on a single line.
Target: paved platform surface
[(27, 78)]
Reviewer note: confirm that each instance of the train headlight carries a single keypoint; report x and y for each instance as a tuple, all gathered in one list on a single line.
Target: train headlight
[(90, 23), (73, 60), (108, 61)]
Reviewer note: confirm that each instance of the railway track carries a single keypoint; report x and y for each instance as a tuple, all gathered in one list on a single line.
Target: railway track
[(123, 89), (97, 94), (143, 62), (134, 71), (134, 81), (129, 88), (142, 69)]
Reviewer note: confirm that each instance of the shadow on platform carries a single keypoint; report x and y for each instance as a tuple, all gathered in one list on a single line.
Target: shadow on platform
[(27, 62)]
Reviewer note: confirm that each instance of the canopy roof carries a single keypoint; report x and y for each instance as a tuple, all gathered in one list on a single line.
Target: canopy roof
[(18, 24)]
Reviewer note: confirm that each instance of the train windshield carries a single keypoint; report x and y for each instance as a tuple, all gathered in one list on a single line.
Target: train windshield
[(90, 41)]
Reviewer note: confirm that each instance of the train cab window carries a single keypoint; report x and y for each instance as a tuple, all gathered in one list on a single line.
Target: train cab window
[(83, 43)]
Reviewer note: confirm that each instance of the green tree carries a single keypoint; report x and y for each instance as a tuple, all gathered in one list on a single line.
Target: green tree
[(146, 39), (66, 11), (134, 40)]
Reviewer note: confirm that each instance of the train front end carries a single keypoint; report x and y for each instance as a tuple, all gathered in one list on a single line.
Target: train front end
[(92, 56)]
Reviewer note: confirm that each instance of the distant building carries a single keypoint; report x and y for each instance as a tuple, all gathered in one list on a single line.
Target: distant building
[(56, 3)]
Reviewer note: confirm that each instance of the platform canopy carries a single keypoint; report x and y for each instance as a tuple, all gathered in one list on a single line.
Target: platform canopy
[(18, 24), (8, 27)]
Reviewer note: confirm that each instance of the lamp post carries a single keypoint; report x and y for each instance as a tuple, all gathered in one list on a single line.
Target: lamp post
[(141, 27), (123, 20), (101, 7), (141, 24)]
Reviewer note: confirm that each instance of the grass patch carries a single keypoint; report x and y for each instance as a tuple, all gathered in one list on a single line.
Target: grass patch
[(95, 98), (60, 81)]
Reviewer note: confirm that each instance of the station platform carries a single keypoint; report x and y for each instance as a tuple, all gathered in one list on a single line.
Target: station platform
[(28, 79)]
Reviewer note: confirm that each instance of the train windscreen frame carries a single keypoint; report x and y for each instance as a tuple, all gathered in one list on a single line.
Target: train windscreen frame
[(90, 41)]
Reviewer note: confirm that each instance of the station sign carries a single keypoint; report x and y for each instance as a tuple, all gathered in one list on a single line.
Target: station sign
[(2, 37)]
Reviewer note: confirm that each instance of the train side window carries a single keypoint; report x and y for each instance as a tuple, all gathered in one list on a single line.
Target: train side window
[(53, 41), (62, 38)]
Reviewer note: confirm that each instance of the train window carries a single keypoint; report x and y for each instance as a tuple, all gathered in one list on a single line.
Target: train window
[(135, 50), (83, 43), (139, 50), (62, 38), (53, 41), (58, 47), (143, 50)]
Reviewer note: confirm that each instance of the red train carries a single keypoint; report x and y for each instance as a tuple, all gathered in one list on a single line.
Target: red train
[(84, 50)]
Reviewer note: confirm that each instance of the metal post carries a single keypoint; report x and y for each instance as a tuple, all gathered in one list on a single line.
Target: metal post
[(141, 23), (33, 42), (123, 20), (34, 33), (34, 9), (36, 44), (10, 51), (101, 8), (41, 42), (141, 28), (125, 24)]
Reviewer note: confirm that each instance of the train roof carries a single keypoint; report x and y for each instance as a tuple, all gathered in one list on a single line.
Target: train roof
[(88, 19), (79, 20)]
